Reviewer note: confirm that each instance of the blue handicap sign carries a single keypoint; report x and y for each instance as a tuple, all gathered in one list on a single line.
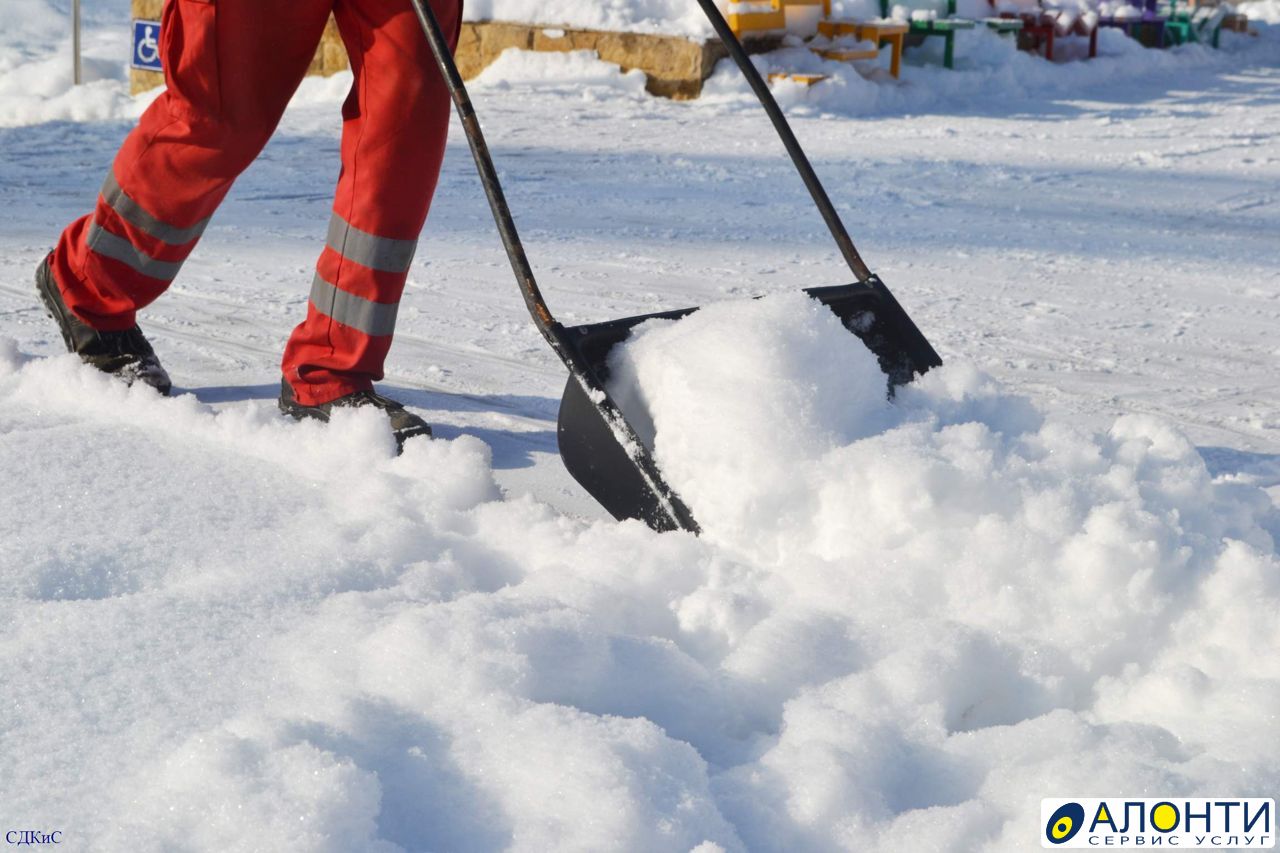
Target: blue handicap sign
[(146, 45)]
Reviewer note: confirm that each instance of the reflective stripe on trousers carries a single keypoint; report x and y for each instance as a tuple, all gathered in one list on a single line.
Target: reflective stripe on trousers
[(361, 249), (231, 68)]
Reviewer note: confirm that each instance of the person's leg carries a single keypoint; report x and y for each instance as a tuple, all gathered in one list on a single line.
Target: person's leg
[(230, 67), (393, 139)]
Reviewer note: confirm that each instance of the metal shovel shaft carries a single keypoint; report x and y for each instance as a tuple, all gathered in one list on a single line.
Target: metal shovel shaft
[(789, 141), (488, 174), (670, 512), (622, 472)]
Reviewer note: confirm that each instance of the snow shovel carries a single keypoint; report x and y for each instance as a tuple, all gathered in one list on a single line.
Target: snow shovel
[(599, 447)]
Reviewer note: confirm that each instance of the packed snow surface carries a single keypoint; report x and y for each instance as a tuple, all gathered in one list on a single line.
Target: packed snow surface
[(904, 625), (1048, 568)]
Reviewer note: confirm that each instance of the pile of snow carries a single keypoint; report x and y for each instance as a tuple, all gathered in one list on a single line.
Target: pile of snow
[(1121, 10), (36, 67), (578, 74), (670, 17), (905, 624), (36, 85), (859, 10), (685, 18), (1262, 11), (987, 66)]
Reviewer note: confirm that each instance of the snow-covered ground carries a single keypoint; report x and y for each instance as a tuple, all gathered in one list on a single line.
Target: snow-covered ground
[(1047, 569)]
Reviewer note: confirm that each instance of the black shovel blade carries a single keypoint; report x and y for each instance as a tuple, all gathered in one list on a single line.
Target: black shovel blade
[(622, 479)]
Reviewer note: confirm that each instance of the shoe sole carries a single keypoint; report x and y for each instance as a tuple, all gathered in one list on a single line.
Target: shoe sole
[(53, 306), (55, 309), (299, 412), (302, 414)]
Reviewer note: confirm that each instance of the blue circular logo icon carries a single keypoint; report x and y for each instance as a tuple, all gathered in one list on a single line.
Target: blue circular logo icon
[(1064, 823)]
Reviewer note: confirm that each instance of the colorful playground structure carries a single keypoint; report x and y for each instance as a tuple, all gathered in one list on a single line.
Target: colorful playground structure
[(677, 66), (1036, 25)]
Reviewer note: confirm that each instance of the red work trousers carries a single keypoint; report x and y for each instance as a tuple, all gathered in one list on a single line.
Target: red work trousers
[(231, 67)]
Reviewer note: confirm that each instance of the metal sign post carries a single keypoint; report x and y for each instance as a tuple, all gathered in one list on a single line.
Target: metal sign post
[(76, 75)]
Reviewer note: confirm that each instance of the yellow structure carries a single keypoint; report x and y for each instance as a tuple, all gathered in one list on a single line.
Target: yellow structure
[(879, 33), (674, 66), (802, 79), (766, 16), (756, 18)]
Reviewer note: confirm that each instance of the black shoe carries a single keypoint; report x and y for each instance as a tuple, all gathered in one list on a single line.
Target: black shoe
[(124, 354), (404, 424)]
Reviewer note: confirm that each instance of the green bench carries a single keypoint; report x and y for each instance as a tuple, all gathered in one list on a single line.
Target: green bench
[(1193, 25), (945, 25)]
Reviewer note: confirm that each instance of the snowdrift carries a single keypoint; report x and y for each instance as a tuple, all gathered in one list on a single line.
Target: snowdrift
[(989, 69), (906, 623), (1265, 11), (672, 17), (35, 63)]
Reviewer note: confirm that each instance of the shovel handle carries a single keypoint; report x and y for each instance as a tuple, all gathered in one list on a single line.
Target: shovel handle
[(488, 174), (502, 212), (672, 514), (789, 141)]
